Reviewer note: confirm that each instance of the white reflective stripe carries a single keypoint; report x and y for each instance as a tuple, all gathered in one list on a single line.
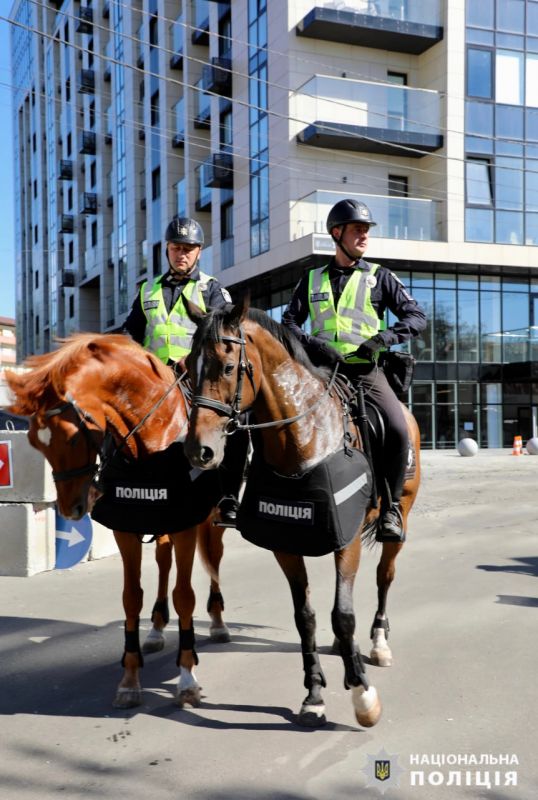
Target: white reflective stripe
[(344, 494)]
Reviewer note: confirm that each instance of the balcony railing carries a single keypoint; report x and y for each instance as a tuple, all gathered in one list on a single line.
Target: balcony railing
[(369, 117), (86, 81), (65, 171), (397, 217), (404, 26), (203, 200), (88, 143), (217, 76), (219, 171), (84, 22), (88, 203), (66, 223), (203, 116)]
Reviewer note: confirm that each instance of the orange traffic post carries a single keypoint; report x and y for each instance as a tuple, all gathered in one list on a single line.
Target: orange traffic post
[(517, 446)]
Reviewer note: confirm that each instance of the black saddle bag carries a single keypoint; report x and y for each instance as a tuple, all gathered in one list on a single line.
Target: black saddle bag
[(312, 514), (155, 495), (398, 368)]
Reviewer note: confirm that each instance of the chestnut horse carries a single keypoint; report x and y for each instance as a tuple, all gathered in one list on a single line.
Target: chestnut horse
[(241, 360), (99, 386)]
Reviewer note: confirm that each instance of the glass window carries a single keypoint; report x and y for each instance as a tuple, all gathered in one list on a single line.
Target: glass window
[(445, 416), (445, 280), (421, 345), (467, 392), (509, 122), (532, 19), (531, 81), (509, 77), (510, 41), (491, 426), (445, 392), (475, 36), (424, 418), (478, 225), (531, 185), (445, 325), (531, 228), (468, 326), (474, 144), (480, 13), (511, 15), (531, 125), (479, 79), (515, 326), (509, 183), (490, 282), (422, 392), (479, 118), (508, 227), (478, 182), (515, 285)]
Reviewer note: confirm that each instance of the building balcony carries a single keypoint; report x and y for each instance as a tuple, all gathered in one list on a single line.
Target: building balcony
[(200, 34), (397, 217), (106, 9), (66, 223), (368, 117), (178, 140), (107, 71), (88, 143), (219, 171), (84, 23), (88, 203), (67, 278), (217, 76), (403, 26), (65, 171), (203, 198), (86, 84), (176, 61)]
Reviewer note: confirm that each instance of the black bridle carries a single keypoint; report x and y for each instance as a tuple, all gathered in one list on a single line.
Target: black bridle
[(82, 417), (233, 410)]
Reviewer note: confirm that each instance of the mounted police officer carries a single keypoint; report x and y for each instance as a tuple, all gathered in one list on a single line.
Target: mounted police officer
[(346, 302), (158, 321)]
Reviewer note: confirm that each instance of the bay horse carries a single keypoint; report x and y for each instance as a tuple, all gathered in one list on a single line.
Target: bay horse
[(94, 388), (243, 360)]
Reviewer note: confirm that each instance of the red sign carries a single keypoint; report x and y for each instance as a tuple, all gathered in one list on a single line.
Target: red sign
[(6, 474)]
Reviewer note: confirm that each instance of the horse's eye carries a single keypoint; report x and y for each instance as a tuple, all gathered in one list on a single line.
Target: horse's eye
[(228, 369)]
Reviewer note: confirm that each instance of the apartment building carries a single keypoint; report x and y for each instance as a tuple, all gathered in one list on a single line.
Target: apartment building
[(255, 118)]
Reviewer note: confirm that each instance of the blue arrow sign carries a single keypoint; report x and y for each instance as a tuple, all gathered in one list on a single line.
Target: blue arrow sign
[(73, 540)]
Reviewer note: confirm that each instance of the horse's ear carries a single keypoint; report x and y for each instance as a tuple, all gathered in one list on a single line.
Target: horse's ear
[(194, 312), (240, 310)]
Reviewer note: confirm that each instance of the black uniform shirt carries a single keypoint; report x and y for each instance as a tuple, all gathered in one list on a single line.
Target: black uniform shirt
[(215, 296), (389, 292)]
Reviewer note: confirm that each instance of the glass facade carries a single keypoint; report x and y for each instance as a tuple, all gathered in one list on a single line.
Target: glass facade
[(501, 121), (258, 127)]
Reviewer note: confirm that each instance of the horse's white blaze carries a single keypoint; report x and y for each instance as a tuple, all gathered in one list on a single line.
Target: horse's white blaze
[(323, 424), (44, 435)]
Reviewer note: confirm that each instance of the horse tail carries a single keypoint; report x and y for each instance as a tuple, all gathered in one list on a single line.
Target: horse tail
[(369, 529)]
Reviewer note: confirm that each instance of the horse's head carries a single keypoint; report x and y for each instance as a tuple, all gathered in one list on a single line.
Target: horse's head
[(223, 363), (69, 438)]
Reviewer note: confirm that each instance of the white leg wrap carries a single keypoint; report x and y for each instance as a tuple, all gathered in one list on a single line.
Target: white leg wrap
[(364, 700), (187, 680)]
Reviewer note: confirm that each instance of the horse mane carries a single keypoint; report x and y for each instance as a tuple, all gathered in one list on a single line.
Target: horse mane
[(209, 331), (48, 371)]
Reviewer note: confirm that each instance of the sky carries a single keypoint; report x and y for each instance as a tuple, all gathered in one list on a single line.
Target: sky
[(7, 242)]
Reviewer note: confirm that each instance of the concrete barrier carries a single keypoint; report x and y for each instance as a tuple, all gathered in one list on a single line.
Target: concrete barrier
[(27, 511)]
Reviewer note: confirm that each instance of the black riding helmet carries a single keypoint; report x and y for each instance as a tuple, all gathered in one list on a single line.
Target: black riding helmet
[(183, 230), (349, 210)]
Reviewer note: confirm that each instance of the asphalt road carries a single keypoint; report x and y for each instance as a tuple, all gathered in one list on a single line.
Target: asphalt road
[(463, 612)]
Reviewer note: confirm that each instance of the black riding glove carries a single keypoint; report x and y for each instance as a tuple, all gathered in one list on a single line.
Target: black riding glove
[(369, 348), (323, 354)]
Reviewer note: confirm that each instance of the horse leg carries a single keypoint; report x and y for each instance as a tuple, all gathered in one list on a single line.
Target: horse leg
[(210, 549), (312, 712), (380, 653), (365, 698), (160, 614), (129, 691), (188, 690)]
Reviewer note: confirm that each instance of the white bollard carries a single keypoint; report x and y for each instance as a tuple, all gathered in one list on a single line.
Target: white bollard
[(467, 447), (532, 446)]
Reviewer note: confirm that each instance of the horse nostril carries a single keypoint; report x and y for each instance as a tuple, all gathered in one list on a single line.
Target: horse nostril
[(206, 454)]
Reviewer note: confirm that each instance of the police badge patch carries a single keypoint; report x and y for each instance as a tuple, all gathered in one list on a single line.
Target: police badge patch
[(371, 281)]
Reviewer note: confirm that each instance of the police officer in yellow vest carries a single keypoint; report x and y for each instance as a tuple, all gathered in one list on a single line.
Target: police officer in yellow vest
[(346, 302), (158, 320)]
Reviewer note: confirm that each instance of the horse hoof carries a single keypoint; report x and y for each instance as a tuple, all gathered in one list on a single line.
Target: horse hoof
[(311, 716), (189, 697), (219, 634), (367, 705), (127, 698), (155, 642), (381, 657)]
